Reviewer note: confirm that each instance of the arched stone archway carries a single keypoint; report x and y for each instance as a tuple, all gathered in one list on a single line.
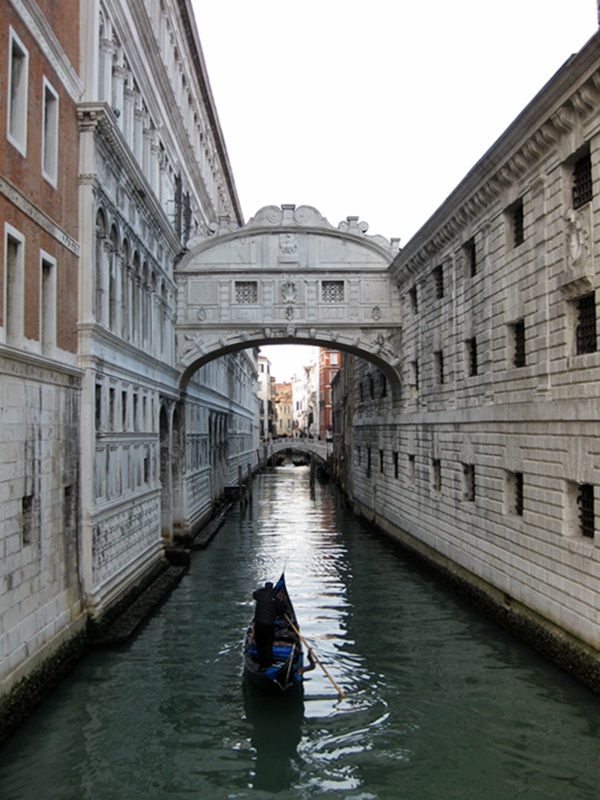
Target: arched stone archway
[(289, 277)]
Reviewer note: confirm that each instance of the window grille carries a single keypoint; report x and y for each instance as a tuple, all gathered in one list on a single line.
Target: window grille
[(585, 501), (332, 291), (472, 356), (582, 181), (414, 300), (471, 257), (469, 482), (436, 467), (438, 277), (518, 477), (519, 343), (518, 224), (246, 292), (439, 364), (586, 324)]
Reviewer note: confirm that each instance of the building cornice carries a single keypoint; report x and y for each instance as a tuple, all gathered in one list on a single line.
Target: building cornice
[(567, 100)]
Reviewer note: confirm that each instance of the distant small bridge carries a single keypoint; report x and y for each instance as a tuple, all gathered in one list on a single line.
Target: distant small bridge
[(313, 447)]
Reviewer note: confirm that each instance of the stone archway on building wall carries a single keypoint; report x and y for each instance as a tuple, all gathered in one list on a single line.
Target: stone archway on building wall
[(288, 277)]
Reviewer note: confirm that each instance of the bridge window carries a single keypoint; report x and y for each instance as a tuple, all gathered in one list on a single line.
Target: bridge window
[(246, 292), (332, 291)]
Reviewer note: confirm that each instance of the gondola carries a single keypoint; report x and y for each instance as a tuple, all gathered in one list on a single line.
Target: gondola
[(288, 657)]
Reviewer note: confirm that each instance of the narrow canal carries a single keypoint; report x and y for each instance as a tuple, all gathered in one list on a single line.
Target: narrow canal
[(440, 704)]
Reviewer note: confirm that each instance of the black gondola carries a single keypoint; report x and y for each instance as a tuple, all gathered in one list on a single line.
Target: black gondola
[(288, 657)]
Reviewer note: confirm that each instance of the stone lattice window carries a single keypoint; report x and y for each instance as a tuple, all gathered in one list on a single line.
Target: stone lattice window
[(332, 291), (582, 181), (585, 503), (469, 482), (438, 280), (246, 292), (586, 338)]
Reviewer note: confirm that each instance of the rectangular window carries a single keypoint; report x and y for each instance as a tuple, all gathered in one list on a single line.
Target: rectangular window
[(585, 504), (48, 304), (332, 291), (414, 299), (469, 482), (414, 367), (438, 360), (471, 345), (517, 221), (98, 407), (582, 180), (470, 255), (514, 493), (18, 80), (381, 461), (27, 519), (411, 468), (438, 279), (246, 292), (518, 330), (368, 461), (14, 286), (585, 333), (50, 134), (436, 474), (395, 457)]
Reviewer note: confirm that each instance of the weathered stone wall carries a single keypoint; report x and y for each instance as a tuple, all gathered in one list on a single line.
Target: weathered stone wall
[(486, 456)]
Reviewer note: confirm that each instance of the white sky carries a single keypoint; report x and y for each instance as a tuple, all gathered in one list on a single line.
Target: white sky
[(376, 108)]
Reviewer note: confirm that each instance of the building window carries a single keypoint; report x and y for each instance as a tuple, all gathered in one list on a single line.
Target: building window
[(246, 292), (368, 461), (48, 304), (471, 345), (414, 369), (332, 291), (18, 79), (438, 360), (381, 461), (516, 218), (585, 505), (411, 468), (436, 474), (438, 279), (414, 299), (50, 134), (585, 332), (470, 255), (14, 286), (514, 493), (518, 331), (469, 482), (27, 519), (582, 180), (395, 457)]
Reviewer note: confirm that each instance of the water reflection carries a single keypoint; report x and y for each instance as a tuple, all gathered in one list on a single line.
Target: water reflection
[(439, 702), (276, 721)]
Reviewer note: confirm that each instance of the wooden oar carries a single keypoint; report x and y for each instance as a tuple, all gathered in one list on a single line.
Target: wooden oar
[(316, 658)]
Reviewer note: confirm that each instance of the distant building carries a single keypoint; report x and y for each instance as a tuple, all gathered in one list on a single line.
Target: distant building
[(284, 409), (329, 364), (266, 399)]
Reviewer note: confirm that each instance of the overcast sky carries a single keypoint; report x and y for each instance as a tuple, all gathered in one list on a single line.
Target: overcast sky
[(375, 109)]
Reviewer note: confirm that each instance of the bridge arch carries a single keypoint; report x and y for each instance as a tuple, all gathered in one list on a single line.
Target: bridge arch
[(288, 277)]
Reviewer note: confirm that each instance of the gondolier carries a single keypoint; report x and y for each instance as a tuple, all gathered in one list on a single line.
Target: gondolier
[(268, 608)]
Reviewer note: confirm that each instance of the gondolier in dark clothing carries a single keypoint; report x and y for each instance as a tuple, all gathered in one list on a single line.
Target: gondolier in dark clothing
[(268, 607)]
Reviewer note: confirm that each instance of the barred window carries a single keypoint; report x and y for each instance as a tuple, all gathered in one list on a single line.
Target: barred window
[(469, 482), (585, 503), (585, 334), (582, 181), (472, 356), (414, 299), (519, 343), (332, 291), (470, 254), (246, 292), (436, 474), (518, 224), (518, 493), (439, 366), (438, 278)]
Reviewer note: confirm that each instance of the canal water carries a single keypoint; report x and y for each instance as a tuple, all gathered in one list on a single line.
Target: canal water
[(439, 703)]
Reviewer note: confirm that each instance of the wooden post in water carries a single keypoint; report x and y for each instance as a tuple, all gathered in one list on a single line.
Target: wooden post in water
[(240, 485), (250, 482), (312, 471)]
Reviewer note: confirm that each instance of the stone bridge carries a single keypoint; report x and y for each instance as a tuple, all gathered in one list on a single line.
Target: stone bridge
[(288, 277), (311, 446)]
